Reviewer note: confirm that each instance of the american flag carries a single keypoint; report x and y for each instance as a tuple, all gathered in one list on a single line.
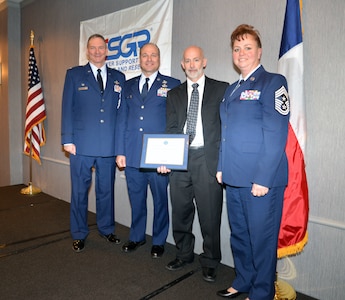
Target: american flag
[(34, 134)]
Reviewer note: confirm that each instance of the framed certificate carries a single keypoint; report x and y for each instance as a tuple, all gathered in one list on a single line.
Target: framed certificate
[(170, 150)]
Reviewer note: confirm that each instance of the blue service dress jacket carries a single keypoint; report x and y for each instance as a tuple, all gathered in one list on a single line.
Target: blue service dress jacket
[(89, 117), (254, 120), (138, 116)]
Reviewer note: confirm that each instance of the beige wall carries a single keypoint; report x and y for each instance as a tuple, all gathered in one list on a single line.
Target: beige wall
[(4, 114), (208, 23), (10, 96)]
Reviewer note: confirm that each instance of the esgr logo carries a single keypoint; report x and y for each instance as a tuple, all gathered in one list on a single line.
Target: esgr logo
[(127, 44)]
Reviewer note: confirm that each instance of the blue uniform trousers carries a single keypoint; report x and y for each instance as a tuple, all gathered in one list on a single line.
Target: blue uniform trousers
[(254, 223), (81, 176), (137, 184)]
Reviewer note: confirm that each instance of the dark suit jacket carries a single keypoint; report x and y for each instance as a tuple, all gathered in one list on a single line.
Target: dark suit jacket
[(138, 116), (177, 103), (88, 117)]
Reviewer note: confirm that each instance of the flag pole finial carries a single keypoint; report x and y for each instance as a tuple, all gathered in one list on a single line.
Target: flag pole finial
[(32, 36)]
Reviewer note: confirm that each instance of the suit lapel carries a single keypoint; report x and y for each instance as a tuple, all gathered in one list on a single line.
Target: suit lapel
[(183, 100), (245, 85), (135, 88), (207, 92), (110, 83), (155, 86), (90, 78), (240, 89)]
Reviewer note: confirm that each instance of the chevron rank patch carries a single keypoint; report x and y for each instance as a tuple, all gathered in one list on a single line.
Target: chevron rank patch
[(282, 103)]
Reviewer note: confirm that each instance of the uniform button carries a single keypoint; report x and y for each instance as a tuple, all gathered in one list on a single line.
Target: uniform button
[(101, 110), (140, 129), (143, 106), (102, 100), (141, 118), (101, 121)]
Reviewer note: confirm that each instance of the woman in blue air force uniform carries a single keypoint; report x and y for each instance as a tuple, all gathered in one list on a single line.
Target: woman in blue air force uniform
[(253, 166)]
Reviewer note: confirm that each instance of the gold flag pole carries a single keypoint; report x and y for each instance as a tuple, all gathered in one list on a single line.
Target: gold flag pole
[(284, 291), (30, 189)]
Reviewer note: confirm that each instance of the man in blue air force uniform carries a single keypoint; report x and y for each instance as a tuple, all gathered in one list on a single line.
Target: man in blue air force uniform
[(144, 111), (91, 99)]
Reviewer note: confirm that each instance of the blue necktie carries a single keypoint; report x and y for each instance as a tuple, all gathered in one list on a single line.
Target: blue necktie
[(145, 88), (100, 80), (192, 115), (237, 86)]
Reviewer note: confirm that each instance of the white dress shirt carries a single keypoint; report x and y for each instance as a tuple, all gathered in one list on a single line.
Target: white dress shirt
[(199, 137)]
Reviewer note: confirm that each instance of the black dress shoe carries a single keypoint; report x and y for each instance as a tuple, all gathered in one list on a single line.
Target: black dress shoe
[(209, 274), (226, 294), (78, 245), (112, 238), (157, 251), (132, 246), (176, 264)]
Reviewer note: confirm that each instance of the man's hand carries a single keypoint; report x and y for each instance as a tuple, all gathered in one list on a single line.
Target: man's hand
[(70, 148), (121, 161), (163, 170), (219, 177), (259, 190)]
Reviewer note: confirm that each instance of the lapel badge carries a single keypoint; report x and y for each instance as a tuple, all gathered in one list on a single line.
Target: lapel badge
[(117, 87), (252, 78)]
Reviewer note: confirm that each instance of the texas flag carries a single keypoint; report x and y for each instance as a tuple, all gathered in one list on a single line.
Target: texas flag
[(293, 230)]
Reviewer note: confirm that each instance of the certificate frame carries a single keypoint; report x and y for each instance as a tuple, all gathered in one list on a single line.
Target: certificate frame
[(170, 150)]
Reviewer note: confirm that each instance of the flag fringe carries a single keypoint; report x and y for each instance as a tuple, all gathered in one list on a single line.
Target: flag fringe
[(293, 249), (29, 130), (33, 156)]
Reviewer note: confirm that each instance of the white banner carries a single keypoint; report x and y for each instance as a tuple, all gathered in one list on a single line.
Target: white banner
[(128, 30)]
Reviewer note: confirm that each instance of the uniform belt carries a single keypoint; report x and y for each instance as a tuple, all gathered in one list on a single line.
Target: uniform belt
[(196, 147)]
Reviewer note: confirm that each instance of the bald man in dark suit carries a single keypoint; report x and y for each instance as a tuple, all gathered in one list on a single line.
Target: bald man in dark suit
[(199, 182)]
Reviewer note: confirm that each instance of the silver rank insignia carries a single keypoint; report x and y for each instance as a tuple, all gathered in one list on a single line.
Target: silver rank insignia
[(281, 102)]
